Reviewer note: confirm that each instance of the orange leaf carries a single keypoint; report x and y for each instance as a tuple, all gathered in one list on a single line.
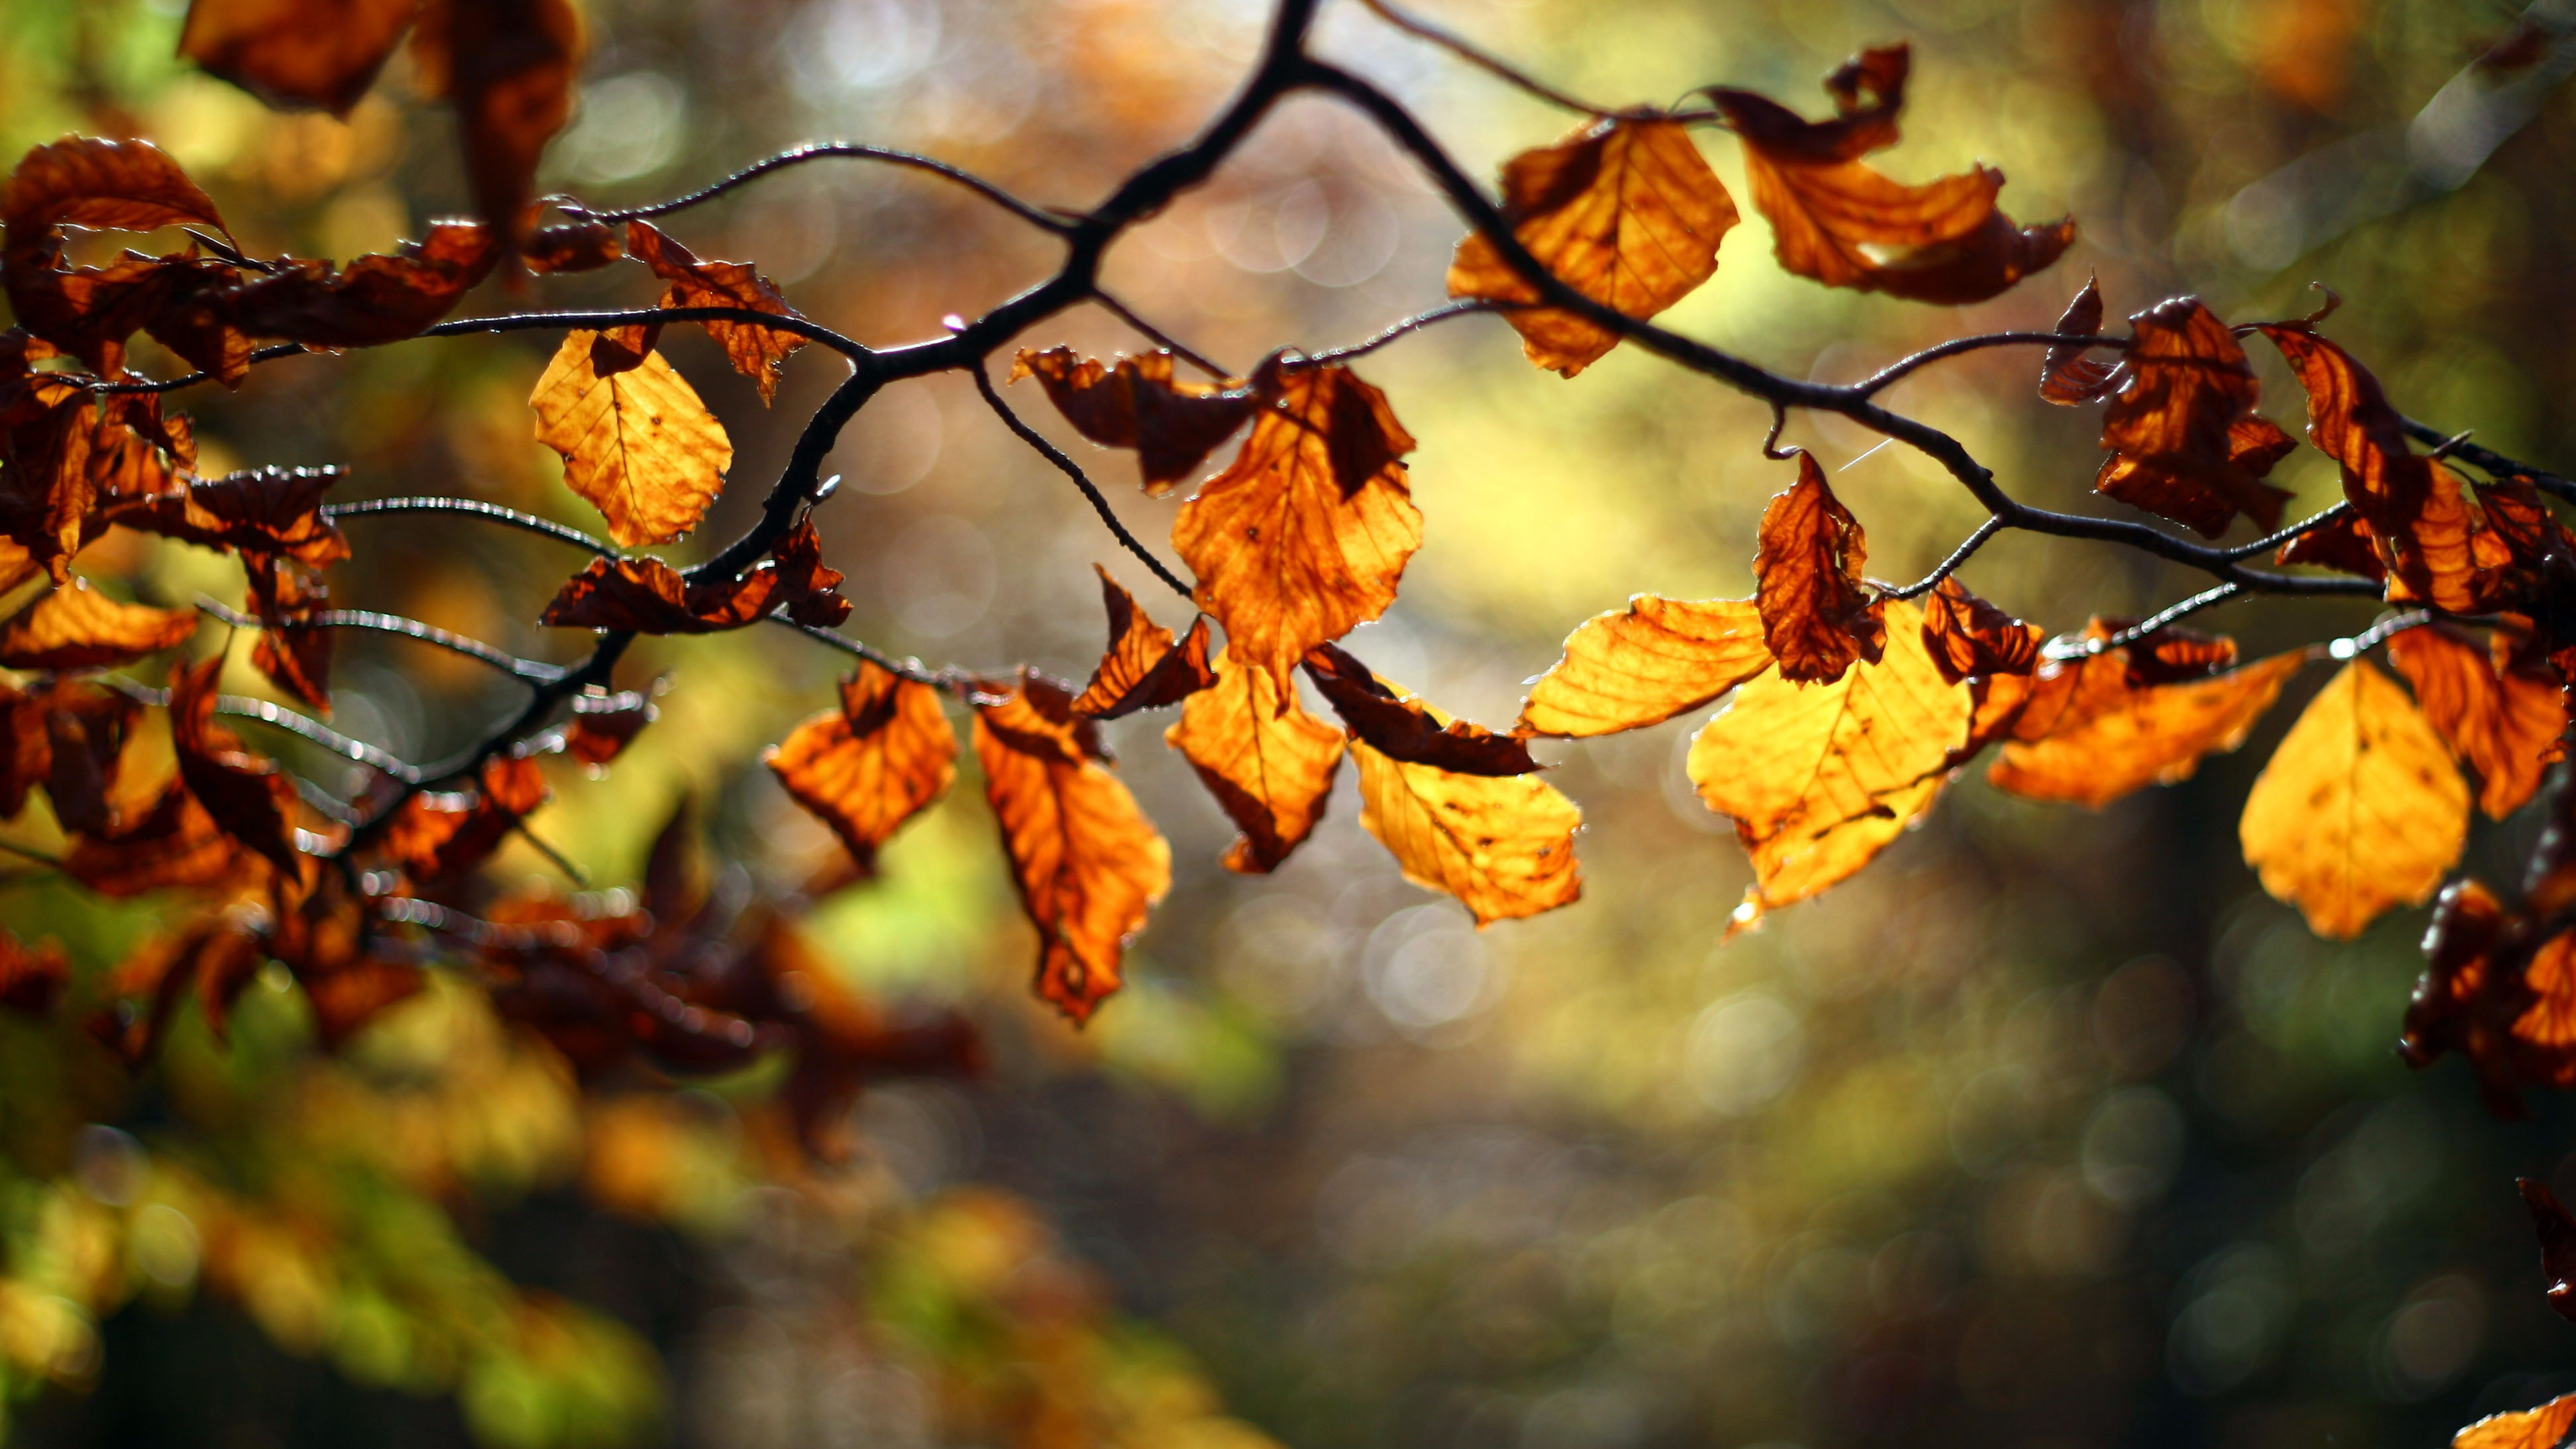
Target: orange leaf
[(1815, 609), (437, 835), (758, 353), (638, 445), (1624, 211), (1970, 638), (1144, 668), (579, 246), (2503, 714), (248, 798), (375, 299), (32, 979), (296, 54), (77, 627), (2185, 442), (1821, 777), (1642, 665), (292, 652), (1173, 426), (2360, 808), (508, 65), (603, 725), (69, 738), (1268, 763), (176, 843), (1402, 727), (269, 510), (2118, 739), (1087, 862), (1302, 538), (109, 185), (1843, 224), (2539, 1428), (871, 765), (649, 596), (2069, 375), (1504, 847)]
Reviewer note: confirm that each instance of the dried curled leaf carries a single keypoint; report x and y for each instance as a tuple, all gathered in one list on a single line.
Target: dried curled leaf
[(649, 596), (375, 299), (245, 794), (2096, 737), (1404, 728), (176, 843), (603, 725), (1625, 212), (68, 738), (2501, 708), (2184, 440), (869, 766), (77, 627), (1504, 847), (1819, 778), (109, 185), (2069, 375), (508, 65), (1144, 668), (1970, 638), (1839, 222), (1815, 608), (1302, 538), (1642, 665), (297, 54), (638, 445), (292, 651), (2342, 543), (2360, 808), (1087, 862), (2539, 1428), (264, 511), (438, 836), (759, 353), (1268, 763), (579, 246), (1137, 404)]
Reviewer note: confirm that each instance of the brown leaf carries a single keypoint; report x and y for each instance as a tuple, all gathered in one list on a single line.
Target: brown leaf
[(580, 246), (2342, 543), (758, 353), (603, 725), (1816, 614), (2360, 808), (375, 299), (175, 844), (1403, 728), (108, 185), (264, 511), (1642, 665), (77, 627), (292, 651), (2539, 1428), (1968, 637), (649, 596), (1624, 211), (438, 836), (296, 54), (871, 765), (1086, 861), (508, 65), (249, 799), (2502, 715), (1268, 763), (2184, 441), (1302, 538), (2114, 738), (1843, 224), (2557, 1234), (69, 738), (349, 998), (1821, 777), (1137, 404), (46, 487), (639, 445), (32, 978), (2069, 375), (1144, 668), (1504, 847)]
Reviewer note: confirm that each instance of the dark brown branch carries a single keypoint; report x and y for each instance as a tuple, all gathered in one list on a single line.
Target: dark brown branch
[(2490, 462), (912, 669), (1073, 470), (2309, 524), (475, 507), (1460, 47), (2169, 615), (534, 671), (1896, 371), (825, 150), (1159, 337), (305, 727), (1958, 558), (2372, 637), (1410, 325)]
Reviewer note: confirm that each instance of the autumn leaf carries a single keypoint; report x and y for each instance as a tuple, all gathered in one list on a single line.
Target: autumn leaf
[(32, 978), (2068, 374), (1087, 863), (375, 299), (1302, 538), (1268, 763), (869, 766), (2121, 739), (292, 651), (2184, 440), (603, 725), (245, 794), (296, 54), (77, 627), (2557, 1233), (2539, 1428), (2501, 713), (108, 185), (1821, 777), (639, 445), (176, 843), (648, 596), (2360, 808), (1625, 211), (1144, 668), (1815, 609), (69, 738), (1970, 638), (508, 65), (1503, 846), (1644, 664), (1837, 221), (1137, 404), (758, 353), (263, 511), (438, 835), (1403, 728)]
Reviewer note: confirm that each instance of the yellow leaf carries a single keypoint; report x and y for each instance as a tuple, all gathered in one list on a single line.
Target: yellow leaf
[(638, 444), (1268, 763), (2141, 737), (1503, 845), (2360, 808), (1630, 668)]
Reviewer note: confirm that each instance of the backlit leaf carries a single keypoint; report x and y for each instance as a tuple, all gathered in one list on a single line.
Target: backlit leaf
[(758, 353), (1815, 608), (1144, 668), (293, 652), (1644, 664), (375, 299), (2502, 711), (2120, 739), (2360, 808), (249, 799), (649, 596), (1087, 862), (1624, 211), (1402, 727), (267, 510), (2539, 1428), (77, 627), (1268, 763), (508, 66), (1137, 404), (175, 843), (437, 835), (1503, 846), (111, 185), (2069, 374), (603, 725), (297, 53), (2557, 1233), (32, 977), (1302, 538), (1970, 638), (2184, 441), (869, 766), (638, 445)]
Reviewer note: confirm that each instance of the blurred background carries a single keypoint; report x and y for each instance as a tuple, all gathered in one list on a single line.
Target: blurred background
[(2048, 1130)]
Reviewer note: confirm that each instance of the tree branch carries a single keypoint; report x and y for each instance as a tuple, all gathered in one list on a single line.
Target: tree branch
[(473, 507), (531, 670), (1463, 49), (826, 150), (1073, 470)]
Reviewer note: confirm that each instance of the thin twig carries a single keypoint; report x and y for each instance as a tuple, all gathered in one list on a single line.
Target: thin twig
[(2306, 525), (1958, 557), (304, 726), (1159, 337), (911, 669), (1073, 470), (2372, 637), (1409, 325), (528, 669), (825, 150), (2489, 461), (561, 861), (492, 512), (2164, 617), (1460, 47), (1896, 371)]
